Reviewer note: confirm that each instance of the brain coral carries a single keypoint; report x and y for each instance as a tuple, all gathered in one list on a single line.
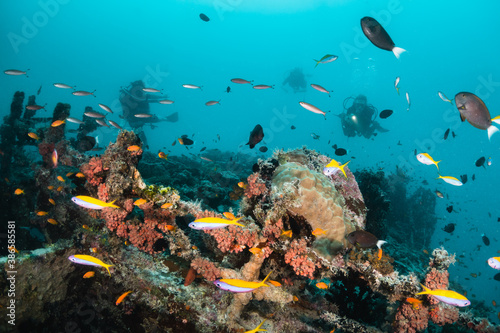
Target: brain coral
[(320, 203)]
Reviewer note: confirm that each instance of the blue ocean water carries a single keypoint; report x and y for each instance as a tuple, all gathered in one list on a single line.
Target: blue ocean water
[(452, 47)]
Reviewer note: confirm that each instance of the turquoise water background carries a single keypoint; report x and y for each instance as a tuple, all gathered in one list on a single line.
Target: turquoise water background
[(452, 47)]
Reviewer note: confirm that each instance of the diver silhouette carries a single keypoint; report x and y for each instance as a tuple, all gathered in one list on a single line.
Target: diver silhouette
[(359, 118)]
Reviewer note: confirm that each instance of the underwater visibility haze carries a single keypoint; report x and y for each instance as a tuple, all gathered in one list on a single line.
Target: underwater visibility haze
[(240, 166)]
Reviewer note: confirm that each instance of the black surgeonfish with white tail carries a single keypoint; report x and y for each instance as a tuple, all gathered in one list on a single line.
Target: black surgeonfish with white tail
[(256, 136), (378, 36), (475, 111)]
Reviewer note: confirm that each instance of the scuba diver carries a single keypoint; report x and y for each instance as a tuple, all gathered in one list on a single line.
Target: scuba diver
[(296, 80), (359, 118), (135, 101)]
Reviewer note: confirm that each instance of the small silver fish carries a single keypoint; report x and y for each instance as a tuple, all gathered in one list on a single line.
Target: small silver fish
[(210, 103), (93, 114), (151, 90), (241, 81), (74, 120), (62, 85), (115, 124), (192, 86), (83, 93), (320, 88), (101, 122), (396, 84), (409, 103), (166, 101), (16, 72), (444, 98), (105, 108), (263, 86), (312, 108), (143, 115)]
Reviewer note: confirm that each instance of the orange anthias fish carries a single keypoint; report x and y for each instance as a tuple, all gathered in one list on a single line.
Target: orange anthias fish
[(18, 191), (52, 201), (41, 213), (88, 275), (180, 141), (379, 254), (275, 283), (133, 148), (61, 179), (414, 302), (287, 233), (33, 136), (170, 227), (162, 155), (69, 174), (139, 202), (52, 221), (166, 205), (322, 285), (318, 231), (255, 250), (242, 185), (57, 123), (60, 188), (122, 297), (51, 187), (80, 175), (54, 158), (229, 216)]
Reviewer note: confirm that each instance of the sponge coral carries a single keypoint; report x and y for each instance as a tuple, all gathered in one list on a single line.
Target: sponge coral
[(318, 202)]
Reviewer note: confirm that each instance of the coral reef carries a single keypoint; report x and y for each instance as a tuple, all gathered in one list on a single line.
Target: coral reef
[(170, 268)]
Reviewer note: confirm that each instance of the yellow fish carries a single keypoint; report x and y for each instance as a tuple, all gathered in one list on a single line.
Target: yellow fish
[(52, 221), (257, 329), (322, 285), (332, 167), (242, 185), (57, 123), (287, 233), (133, 148), (61, 179), (229, 215), (92, 203), (245, 285), (318, 231), (162, 155), (80, 175), (426, 159), (446, 296), (41, 213), (166, 205), (139, 202), (180, 141), (255, 250), (84, 259), (18, 191), (52, 201), (33, 136), (450, 180), (218, 220), (88, 275)]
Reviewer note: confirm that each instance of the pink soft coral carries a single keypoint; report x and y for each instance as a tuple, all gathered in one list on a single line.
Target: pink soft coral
[(255, 187), (297, 257)]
